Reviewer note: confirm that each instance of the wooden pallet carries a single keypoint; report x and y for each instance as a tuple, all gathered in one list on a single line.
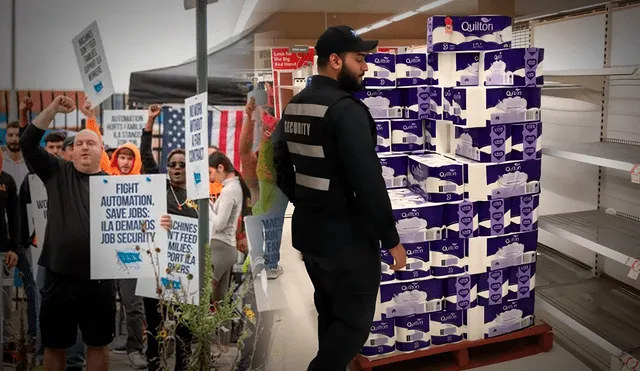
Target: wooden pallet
[(466, 354)]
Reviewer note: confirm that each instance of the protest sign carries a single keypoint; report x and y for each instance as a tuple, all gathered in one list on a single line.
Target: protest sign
[(38, 214), (125, 224), (122, 126), (92, 61), (177, 264), (197, 143)]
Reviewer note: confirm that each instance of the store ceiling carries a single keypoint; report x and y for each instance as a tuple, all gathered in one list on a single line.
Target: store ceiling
[(373, 6)]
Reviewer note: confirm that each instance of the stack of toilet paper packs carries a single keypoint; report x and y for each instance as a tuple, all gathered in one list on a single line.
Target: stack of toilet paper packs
[(459, 143)]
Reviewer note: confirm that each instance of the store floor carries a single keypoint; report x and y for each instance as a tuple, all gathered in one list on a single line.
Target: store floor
[(295, 341)]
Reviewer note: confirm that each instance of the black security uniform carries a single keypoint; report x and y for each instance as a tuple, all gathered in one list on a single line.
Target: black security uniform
[(327, 166)]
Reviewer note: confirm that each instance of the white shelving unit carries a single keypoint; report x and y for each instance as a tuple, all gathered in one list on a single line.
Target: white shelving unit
[(606, 154)]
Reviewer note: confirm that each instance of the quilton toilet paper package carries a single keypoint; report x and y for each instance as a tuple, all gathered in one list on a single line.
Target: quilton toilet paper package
[(437, 135), (522, 281), (412, 332), (417, 102), (483, 106), (418, 262), (383, 136), (400, 299), (382, 71), (524, 213), (448, 327), (386, 261), (453, 69), (404, 194), (435, 103), (407, 135), (461, 292), (449, 257), (494, 217), (436, 178), (411, 69), (480, 32), (417, 220), (487, 144), (514, 67), (489, 181), (526, 143), (493, 287), (496, 320), (381, 340), (394, 169), (383, 104), (460, 219), (493, 253)]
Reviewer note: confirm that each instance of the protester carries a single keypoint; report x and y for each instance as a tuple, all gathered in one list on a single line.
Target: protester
[(13, 163), (126, 160), (67, 148), (53, 142), (69, 297)]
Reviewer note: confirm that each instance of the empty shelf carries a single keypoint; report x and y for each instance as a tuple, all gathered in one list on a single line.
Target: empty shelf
[(604, 71), (606, 154)]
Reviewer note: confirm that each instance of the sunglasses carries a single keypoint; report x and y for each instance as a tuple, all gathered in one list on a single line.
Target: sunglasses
[(177, 164)]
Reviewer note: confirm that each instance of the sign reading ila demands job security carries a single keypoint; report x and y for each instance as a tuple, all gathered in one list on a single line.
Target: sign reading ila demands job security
[(122, 126), (92, 61), (197, 146), (125, 224), (178, 264)]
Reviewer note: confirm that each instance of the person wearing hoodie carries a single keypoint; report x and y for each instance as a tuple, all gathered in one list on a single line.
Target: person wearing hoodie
[(126, 160)]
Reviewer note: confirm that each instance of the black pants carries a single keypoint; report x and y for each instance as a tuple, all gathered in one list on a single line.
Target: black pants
[(346, 288), (183, 338)]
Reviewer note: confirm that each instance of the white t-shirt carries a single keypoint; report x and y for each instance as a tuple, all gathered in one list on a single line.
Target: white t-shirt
[(17, 169)]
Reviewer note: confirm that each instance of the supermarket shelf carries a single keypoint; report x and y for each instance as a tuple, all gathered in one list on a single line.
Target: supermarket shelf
[(604, 71), (592, 79), (608, 235), (606, 154)]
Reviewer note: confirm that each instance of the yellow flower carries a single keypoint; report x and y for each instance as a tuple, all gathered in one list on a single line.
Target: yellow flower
[(163, 333), (249, 313)]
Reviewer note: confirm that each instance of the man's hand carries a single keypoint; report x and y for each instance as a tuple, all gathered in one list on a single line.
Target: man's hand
[(11, 259), (399, 256), (250, 107), (26, 105), (62, 104), (154, 111), (165, 222), (87, 109)]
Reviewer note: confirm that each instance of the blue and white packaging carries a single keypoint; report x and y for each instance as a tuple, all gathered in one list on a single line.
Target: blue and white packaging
[(526, 141), (382, 71), (383, 104), (386, 261), (411, 69), (383, 136), (514, 67), (453, 69), (488, 144), (522, 282), (466, 33), (494, 253), (412, 333), (394, 169), (418, 264), (461, 219), (402, 194), (448, 327), (417, 220), (493, 287), (435, 103), (482, 106), (438, 135), (461, 293), (381, 340), (449, 257), (436, 178), (401, 299), (407, 136), (491, 321), (417, 102), (524, 213), (494, 217)]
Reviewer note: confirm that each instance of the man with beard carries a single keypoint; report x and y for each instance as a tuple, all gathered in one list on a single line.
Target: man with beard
[(327, 166), (13, 163)]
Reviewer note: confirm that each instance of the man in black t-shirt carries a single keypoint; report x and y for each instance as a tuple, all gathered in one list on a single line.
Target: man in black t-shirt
[(69, 298)]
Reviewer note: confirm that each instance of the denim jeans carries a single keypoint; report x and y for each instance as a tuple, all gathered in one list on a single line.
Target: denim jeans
[(29, 284)]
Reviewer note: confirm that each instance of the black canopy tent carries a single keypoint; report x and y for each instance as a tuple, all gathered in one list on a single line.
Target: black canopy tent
[(176, 83)]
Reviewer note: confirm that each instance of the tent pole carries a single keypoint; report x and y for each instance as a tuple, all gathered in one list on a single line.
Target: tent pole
[(202, 83)]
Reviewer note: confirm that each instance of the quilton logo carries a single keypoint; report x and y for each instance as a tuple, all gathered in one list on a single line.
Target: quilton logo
[(373, 93), (509, 240), (413, 286), (514, 93), (515, 167), (380, 327), (418, 322), (449, 317), (382, 60), (452, 247), (415, 59), (411, 214), (484, 25)]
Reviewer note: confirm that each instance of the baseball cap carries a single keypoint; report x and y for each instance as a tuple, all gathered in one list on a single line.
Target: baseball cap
[(340, 39)]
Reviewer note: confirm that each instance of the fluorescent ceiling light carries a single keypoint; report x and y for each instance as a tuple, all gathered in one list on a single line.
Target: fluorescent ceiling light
[(363, 30), (402, 16), (382, 23), (432, 5)]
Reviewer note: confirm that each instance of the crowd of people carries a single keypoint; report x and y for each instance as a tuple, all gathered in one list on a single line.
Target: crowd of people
[(71, 318)]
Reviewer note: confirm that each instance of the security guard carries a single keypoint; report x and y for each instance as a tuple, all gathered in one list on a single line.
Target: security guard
[(326, 164)]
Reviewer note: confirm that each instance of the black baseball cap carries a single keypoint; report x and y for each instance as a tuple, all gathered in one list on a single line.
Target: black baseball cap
[(340, 39)]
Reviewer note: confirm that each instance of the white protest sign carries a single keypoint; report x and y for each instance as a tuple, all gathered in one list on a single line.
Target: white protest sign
[(197, 143), (122, 126), (125, 224), (92, 61), (177, 263), (38, 213)]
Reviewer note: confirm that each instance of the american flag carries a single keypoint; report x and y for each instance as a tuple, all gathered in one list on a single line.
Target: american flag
[(225, 125)]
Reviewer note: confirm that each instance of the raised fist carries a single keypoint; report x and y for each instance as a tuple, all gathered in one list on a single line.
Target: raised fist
[(63, 104), (87, 109), (26, 104), (250, 107), (154, 111)]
